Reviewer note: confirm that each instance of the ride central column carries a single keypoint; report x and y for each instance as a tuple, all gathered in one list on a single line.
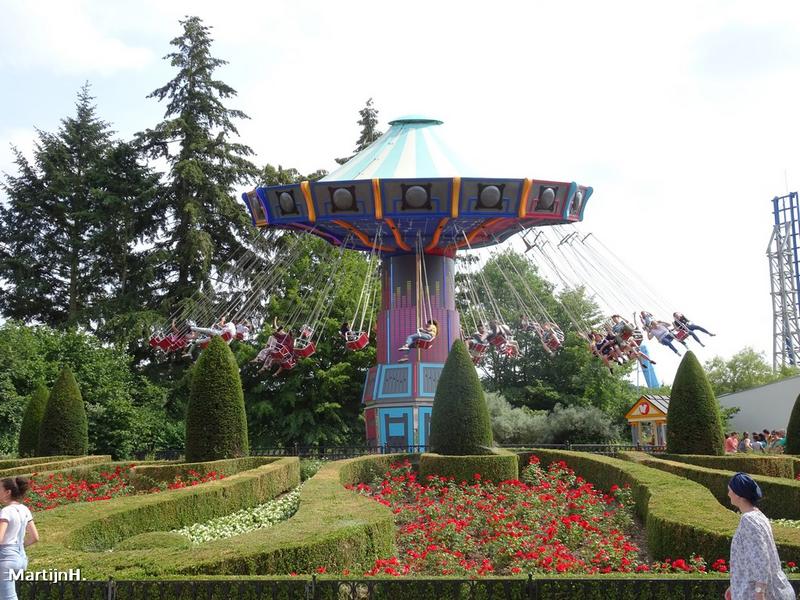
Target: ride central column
[(398, 396)]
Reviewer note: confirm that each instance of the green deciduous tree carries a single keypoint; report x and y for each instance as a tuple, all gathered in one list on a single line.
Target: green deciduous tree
[(216, 423), (693, 420), (744, 370), (206, 221), (460, 423), (64, 429), (31, 421)]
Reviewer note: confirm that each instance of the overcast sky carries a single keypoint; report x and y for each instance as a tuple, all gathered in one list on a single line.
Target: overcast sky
[(682, 116)]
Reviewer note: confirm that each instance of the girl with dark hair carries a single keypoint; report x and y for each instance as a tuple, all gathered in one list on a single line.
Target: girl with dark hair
[(17, 530), (756, 572)]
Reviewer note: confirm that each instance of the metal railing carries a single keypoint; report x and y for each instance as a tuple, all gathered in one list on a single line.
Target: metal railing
[(503, 588), (340, 452)]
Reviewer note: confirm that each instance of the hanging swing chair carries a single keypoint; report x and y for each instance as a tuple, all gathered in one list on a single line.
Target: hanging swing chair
[(357, 338)]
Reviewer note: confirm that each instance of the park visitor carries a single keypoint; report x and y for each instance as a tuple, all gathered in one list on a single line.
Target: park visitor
[(756, 572), (17, 530)]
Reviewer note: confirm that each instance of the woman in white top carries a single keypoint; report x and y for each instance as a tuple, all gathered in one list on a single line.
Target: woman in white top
[(756, 572), (17, 530)]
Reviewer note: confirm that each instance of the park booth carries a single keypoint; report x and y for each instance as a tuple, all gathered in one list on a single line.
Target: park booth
[(648, 421)]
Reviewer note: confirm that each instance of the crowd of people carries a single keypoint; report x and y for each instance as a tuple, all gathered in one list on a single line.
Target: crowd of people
[(763, 441)]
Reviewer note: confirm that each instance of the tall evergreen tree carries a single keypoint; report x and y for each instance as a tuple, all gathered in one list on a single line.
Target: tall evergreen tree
[(203, 221), (369, 129), (31, 421), (47, 226), (64, 429), (69, 232)]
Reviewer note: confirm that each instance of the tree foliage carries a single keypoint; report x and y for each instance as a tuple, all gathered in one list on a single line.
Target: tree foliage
[(70, 227), (205, 167), (216, 423), (693, 419), (744, 370), (31, 421), (369, 129), (64, 430), (460, 423)]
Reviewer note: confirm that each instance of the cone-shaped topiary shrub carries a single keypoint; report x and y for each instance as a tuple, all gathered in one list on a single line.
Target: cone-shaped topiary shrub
[(693, 420), (31, 421), (216, 422), (793, 430), (64, 429), (460, 422)]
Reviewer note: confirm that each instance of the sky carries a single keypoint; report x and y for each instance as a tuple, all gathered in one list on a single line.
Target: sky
[(682, 118)]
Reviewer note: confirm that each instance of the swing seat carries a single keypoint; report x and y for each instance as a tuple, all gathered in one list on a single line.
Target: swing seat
[(359, 340), (306, 332), (553, 344), (289, 363), (477, 359), (423, 344), (226, 336), (280, 352), (239, 336), (164, 343), (203, 345), (479, 347), (176, 343), (499, 340), (509, 351), (681, 334), (154, 341), (304, 348)]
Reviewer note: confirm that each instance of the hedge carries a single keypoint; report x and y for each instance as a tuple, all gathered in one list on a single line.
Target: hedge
[(28, 443), (681, 517), (10, 463), (775, 465), (793, 429), (662, 587), (333, 527), (460, 423), (42, 467), (76, 535), (65, 427), (781, 496), (144, 475), (500, 466), (216, 421)]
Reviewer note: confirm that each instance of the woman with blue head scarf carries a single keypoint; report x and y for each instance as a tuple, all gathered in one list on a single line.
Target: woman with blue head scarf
[(756, 572)]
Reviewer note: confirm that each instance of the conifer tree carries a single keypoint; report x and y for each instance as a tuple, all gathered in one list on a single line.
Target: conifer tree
[(65, 428), (793, 430), (31, 421), (207, 170), (460, 422), (369, 130)]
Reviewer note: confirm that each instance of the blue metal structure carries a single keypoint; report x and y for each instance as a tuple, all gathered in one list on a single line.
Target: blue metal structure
[(784, 264), (786, 212)]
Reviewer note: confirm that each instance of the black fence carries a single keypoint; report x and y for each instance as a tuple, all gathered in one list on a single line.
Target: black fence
[(530, 588), (340, 452)]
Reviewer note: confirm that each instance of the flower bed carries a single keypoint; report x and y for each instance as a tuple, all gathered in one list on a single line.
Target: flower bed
[(550, 522), (245, 520), (56, 489)]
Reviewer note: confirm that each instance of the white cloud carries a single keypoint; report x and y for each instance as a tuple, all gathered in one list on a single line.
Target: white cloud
[(63, 37)]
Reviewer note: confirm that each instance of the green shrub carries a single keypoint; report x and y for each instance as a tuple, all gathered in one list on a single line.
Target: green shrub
[(154, 539), (693, 422), (460, 422), (781, 496), (793, 430), (145, 476), (56, 465), (64, 428), (774, 465), (31, 461), (681, 517), (31, 420), (500, 466), (216, 422)]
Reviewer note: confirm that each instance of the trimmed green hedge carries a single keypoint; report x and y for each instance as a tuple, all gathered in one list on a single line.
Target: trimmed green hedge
[(781, 496), (31, 421), (771, 465), (681, 517), (334, 527), (10, 463), (64, 428), (500, 466), (46, 467), (145, 476)]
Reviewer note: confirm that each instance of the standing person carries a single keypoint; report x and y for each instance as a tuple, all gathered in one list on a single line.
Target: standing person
[(17, 530), (756, 572)]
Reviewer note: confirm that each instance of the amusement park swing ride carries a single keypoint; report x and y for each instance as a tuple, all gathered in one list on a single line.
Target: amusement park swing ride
[(411, 206)]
